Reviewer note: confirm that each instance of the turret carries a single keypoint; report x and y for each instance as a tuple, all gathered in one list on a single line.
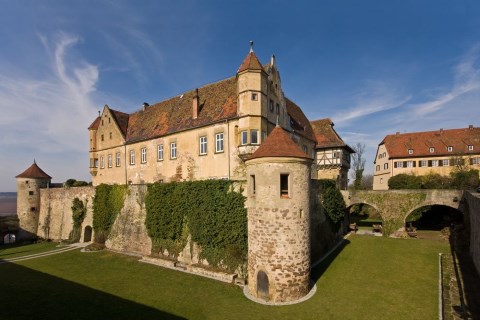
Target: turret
[(29, 184), (278, 203)]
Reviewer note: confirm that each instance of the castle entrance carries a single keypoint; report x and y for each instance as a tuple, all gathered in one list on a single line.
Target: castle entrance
[(262, 285), (87, 235)]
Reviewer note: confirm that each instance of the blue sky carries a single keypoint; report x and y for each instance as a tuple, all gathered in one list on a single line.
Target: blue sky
[(373, 67)]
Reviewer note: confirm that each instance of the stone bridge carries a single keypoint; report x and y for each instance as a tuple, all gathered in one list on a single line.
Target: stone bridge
[(395, 205)]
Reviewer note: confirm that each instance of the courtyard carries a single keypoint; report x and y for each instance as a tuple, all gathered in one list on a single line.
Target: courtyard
[(367, 277)]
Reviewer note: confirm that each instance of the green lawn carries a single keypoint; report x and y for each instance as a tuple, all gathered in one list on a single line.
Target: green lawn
[(369, 278), (17, 250)]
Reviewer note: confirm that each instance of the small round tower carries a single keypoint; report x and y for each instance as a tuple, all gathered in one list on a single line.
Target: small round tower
[(29, 184), (278, 203)]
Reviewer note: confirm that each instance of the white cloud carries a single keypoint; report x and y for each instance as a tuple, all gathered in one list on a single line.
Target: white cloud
[(466, 79)]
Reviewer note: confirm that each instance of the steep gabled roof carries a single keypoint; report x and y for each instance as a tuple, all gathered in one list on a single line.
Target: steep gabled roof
[(95, 124), (298, 121), (250, 62), (326, 135), (397, 145), (217, 102), (279, 144), (34, 172), (121, 119)]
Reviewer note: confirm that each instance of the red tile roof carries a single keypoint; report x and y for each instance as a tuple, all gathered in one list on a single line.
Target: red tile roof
[(397, 145), (279, 144), (34, 172), (298, 120), (326, 135), (217, 102), (122, 120), (251, 62), (95, 124)]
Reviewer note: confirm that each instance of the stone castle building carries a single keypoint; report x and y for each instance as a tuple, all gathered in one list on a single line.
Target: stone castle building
[(242, 128), (423, 152)]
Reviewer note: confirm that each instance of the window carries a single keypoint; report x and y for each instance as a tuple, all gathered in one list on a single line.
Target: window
[(449, 149), (380, 156), (434, 163), (432, 150), (410, 151), (110, 133), (144, 155), (30, 193), (219, 142), (102, 162), (32, 209), (446, 162), (254, 96), (476, 161), (102, 137), (399, 164), (377, 168), (385, 166), (254, 137), (336, 154), (160, 152), (459, 161), (95, 163), (409, 164), (381, 180), (284, 185), (132, 156), (384, 154), (173, 150), (423, 163), (470, 148), (304, 147), (117, 159), (264, 135), (252, 183), (243, 138), (109, 160), (203, 145), (271, 105)]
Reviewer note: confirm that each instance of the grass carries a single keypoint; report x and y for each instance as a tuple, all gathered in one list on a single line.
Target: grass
[(368, 278), (18, 250)]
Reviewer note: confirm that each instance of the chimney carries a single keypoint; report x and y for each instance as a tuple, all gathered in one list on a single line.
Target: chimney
[(195, 105), (145, 106), (441, 130), (470, 127), (397, 133)]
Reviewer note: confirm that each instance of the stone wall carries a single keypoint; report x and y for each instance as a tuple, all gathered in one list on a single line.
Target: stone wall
[(55, 216), (472, 215)]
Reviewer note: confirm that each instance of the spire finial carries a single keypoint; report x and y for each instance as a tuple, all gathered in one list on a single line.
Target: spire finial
[(251, 46)]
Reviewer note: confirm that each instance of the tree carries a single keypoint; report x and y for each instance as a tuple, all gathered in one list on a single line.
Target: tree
[(358, 164), (367, 182)]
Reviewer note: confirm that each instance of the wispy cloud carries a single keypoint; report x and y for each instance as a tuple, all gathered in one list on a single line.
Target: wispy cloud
[(466, 79), (375, 97), (49, 113)]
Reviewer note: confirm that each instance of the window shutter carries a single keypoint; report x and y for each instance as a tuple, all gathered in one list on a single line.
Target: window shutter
[(471, 160), (440, 163), (429, 163), (395, 164), (404, 164), (414, 164)]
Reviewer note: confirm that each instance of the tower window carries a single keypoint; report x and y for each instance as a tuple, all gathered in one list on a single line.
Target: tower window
[(244, 137), (254, 136), (32, 209), (254, 96), (271, 106), (252, 182), (284, 185), (30, 193)]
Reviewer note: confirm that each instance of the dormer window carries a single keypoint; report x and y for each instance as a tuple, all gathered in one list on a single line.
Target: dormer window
[(432, 150), (470, 147), (449, 149), (410, 151)]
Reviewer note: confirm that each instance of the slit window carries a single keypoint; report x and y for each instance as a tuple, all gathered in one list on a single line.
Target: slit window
[(284, 185), (252, 181)]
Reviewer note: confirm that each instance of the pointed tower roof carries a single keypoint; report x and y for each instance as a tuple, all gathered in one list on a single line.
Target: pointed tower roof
[(34, 172), (279, 144), (251, 62)]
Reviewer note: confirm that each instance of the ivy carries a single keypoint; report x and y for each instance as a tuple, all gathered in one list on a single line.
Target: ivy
[(107, 203), (210, 211), (333, 202), (78, 215)]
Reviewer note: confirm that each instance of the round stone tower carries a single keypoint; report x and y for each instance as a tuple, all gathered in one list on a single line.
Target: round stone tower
[(29, 184), (278, 205)]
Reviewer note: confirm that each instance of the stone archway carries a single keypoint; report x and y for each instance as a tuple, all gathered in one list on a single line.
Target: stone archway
[(87, 234), (262, 286)]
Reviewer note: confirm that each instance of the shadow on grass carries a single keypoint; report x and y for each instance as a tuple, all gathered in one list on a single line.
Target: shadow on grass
[(29, 294), (319, 270)]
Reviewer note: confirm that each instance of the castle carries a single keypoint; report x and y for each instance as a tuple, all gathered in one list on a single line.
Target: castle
[(242, 128)]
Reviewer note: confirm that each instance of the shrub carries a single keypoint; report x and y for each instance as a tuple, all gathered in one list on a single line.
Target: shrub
[(333, 202), (464, 179), (405, 181), (78, 215)]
